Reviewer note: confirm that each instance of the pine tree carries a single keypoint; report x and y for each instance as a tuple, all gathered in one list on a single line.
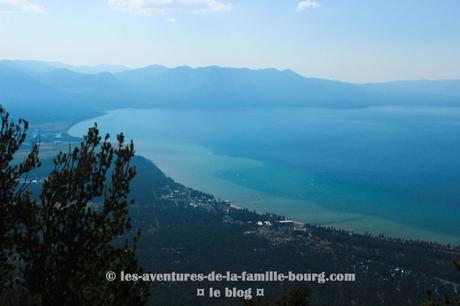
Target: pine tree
[(446, 299), (14, 200), (294, 297), (78, 229)]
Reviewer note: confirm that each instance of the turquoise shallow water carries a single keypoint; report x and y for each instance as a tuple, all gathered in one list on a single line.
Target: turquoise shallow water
[(384, 170)]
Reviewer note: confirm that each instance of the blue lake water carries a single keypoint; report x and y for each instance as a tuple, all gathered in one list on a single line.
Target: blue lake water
[(390, 170)]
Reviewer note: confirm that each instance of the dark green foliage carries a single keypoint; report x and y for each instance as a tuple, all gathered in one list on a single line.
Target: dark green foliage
[(457, 264), (79, 228), (295, 297), (13, 197), (446, 299)]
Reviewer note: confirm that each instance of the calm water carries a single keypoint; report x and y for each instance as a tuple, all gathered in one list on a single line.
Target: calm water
[(383, 170)]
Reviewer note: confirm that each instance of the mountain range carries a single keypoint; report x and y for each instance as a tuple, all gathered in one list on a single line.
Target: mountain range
[(50, 91)]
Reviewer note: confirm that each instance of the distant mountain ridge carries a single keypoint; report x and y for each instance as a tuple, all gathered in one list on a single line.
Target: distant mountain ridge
[(41, 66), (67, 92)]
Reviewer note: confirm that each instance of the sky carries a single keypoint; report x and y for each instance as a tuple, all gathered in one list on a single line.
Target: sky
[(349, 40)]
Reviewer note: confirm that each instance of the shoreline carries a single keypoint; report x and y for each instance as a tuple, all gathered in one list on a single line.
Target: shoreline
[(180, 162), (346, 224)]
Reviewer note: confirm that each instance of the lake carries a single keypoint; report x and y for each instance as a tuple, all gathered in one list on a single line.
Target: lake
[(390, 170)]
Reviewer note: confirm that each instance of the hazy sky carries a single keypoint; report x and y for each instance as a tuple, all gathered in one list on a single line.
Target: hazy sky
[(351, 40)]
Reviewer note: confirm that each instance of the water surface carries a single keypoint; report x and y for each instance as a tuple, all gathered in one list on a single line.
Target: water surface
[(388, 170)]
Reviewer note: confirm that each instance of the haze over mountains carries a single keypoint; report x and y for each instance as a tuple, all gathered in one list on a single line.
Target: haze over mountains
[(43, 91)]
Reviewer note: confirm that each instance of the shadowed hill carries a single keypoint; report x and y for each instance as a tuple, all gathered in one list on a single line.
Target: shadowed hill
[(229, 87), (25, 94)]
